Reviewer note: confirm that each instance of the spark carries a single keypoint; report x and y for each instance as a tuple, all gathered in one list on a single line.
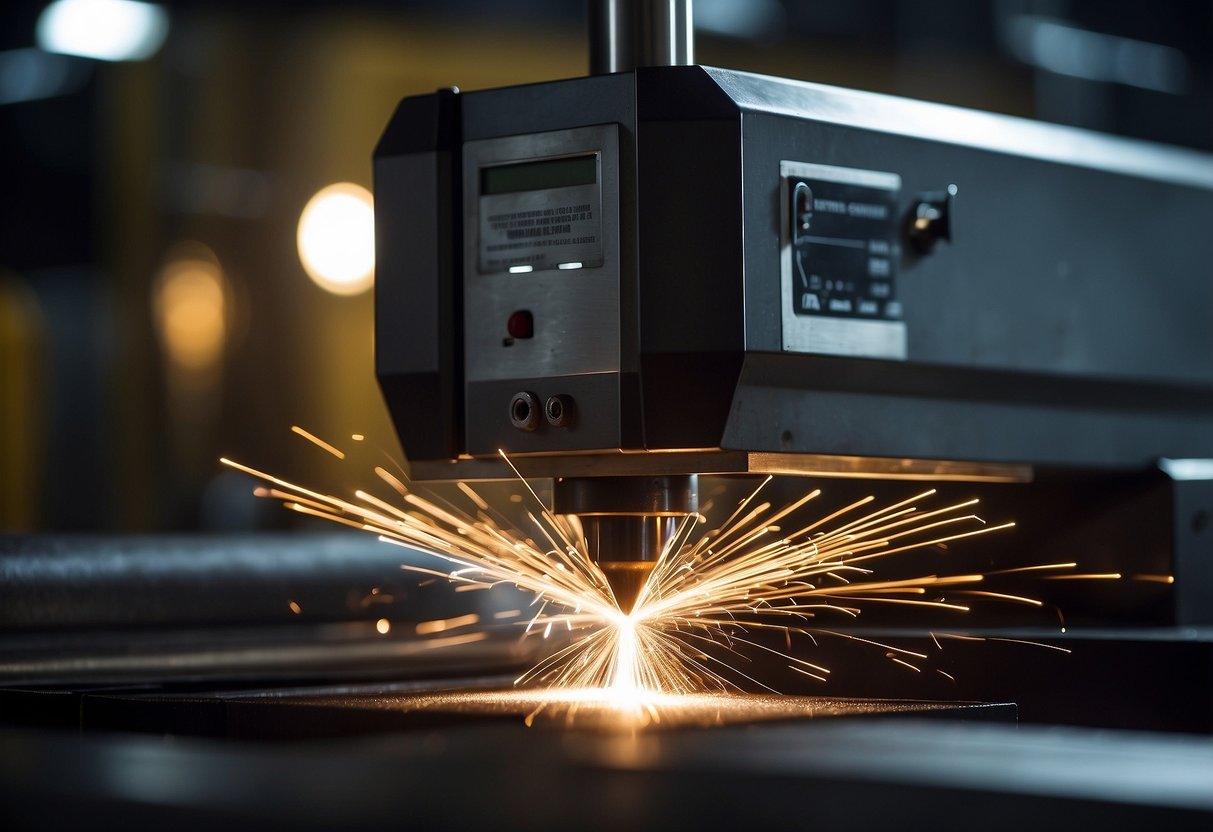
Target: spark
[(317, 441), (1159, 579), (709, 598), (1101, 576)]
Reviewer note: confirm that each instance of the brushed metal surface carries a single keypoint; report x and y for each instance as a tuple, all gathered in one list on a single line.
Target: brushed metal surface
[(576, 311), (709, 461), (970, 128)]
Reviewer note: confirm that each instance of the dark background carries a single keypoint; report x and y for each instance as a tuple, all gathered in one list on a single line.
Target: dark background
[(209, 150)]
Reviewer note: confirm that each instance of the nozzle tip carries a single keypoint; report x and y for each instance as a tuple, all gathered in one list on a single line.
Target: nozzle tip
[(627, 579)]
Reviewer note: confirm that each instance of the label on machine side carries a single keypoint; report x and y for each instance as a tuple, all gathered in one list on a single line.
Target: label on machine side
[(839, 261), (544, 229)]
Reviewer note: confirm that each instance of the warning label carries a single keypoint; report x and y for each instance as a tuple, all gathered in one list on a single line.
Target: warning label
[(540, 229)]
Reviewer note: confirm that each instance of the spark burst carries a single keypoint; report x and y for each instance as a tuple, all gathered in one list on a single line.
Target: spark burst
[(711, 588)]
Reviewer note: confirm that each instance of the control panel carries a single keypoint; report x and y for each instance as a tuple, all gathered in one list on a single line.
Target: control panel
[(841, 245), (541, 254)]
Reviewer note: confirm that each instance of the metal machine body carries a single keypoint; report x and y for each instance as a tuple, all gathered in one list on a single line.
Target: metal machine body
[(708, 271), (1067, 322)]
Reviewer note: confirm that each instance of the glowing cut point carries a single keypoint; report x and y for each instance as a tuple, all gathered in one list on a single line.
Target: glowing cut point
[(623, 683), (107, 30), (521, 269), (336, 239), (567, 266)]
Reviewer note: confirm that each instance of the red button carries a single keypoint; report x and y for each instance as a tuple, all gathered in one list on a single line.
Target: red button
[(521, 324)]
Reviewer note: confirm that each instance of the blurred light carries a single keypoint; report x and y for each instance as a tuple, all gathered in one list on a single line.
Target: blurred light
[(521, 269), (31, 74), (336, 239), (1080, 53), (189, 306), (1187, 469), (108, 30), (739, 18), (383, 626)]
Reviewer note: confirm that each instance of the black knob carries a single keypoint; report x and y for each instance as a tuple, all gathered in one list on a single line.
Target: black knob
[(931, 219), (802, 208), (524, 411), (559, 411)]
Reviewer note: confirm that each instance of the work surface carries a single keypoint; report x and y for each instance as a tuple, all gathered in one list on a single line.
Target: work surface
[(891, 773), (441, 758)]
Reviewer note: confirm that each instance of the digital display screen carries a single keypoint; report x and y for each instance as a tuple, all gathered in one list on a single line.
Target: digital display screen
[(539, 176)]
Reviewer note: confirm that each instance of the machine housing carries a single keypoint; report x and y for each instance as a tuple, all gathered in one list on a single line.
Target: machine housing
[(958, 295)]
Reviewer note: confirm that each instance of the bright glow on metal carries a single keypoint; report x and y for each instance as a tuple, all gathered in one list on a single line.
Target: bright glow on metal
[(569, 266), (521, 269), (336, 239), (607, 711), (108, 30)]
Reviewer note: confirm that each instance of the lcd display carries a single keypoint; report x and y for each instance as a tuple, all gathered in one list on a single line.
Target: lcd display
[(539, 176)]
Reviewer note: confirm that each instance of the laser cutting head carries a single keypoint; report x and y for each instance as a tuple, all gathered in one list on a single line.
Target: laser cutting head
[(627, 522), (626, 280)]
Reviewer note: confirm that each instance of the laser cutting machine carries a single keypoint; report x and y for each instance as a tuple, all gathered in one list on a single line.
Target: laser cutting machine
[(627, 280), (659, 272)]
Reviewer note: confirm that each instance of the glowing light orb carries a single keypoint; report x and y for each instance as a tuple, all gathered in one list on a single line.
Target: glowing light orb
[(336, 239), (107, 30), (189, 304)]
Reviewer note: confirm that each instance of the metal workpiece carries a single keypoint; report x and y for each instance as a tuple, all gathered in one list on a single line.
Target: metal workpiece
[(55, 581), (158, 607), (854, 773)]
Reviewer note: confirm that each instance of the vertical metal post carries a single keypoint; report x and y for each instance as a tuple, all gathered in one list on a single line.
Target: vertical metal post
[(625, 34)]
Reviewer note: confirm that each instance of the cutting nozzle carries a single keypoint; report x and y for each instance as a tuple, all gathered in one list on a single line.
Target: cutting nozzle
[(626, 579), (627, 523)]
